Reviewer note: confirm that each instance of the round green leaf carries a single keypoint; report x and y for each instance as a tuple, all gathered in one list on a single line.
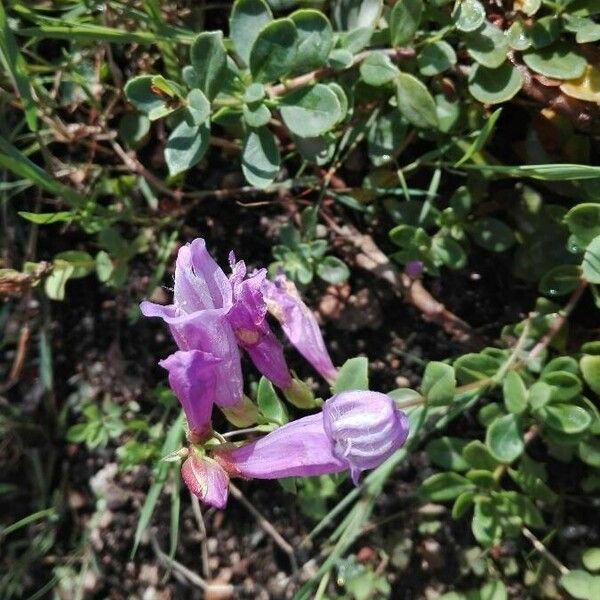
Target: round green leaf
[(209, 60), (139, 92), (449, 252), (415, 102), (254, 93), (530, 7), (469, 15), (581, 585), (560, 280), (565, 386), (350, 14), (493, 86), (435, 58), (256, 116), (133, 129), (505, 439), (377, 69), (404, 21), (477, 456), (260, 157), (590, 369), (583, 221), (566, 418), (589, 452), (332, 270), (352, 375), (438, 383), (311, 111), (385, 136), (198, 107), (445, 452), (273, 53), (247, 18), (557, 61), (444, 486), (518, 36), (591, 261), (339, 59), (491, 234), (315, 39), (514, 393), (545, 31), (591, 559), (318, 150), (186, 146), (539, 395), (488, 45), (269, 404)]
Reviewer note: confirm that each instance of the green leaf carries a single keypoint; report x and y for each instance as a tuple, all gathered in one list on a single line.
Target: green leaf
[(446, 452), (493, 590), (491, 234), (311, 111), (514, 393), (315, 39), (487, 45), (209, 59), (198, 108), (539, 395), (565, 386), (475, 367), (545, 31), (460, 508), (504, 438), (404, 21), (583, 221), (436, 58), (485, 524), (377, 69), (332, 270), (385, 137), (257, 115), (581, 585), (477, 455), (353, 375), (350, 14), (589, 452), (186, 146), (61, 216), (139, 92), (591, 261), (55, 283), (527, 477), (318, 150), (560, 280), (443, 487), (260, 157), (494, 86), (247, 18), (518, 36), (566, 418), (439, 383), (590, 369), (269, 404), (82, 262), (445, 250), (557, 61), (273, 53), (591, 559), (134, 129), (469, 15), (17, 69), (415, 102)]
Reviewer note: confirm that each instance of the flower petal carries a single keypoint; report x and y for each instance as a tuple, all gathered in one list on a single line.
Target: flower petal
[(206, 480)]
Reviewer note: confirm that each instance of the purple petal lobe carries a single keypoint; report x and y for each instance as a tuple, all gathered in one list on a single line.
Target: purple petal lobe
[(192, 378), (247, 317), (364, 427), (299, 324), (199, 282), (206, 480), (301, 448)]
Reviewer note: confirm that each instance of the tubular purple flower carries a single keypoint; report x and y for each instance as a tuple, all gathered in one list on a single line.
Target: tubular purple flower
[(192, 378), (299, 324), (357, 430), (206, 479), (202, 298), (247, 317)]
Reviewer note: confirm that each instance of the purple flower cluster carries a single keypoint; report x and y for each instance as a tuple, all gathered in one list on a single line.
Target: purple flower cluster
[(212, 316)]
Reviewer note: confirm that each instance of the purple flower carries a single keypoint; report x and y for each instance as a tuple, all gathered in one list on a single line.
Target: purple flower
[(299, 324), (247, 317), (356, 430), (202, 298), (213, 314), (206, 479), (192, 378)]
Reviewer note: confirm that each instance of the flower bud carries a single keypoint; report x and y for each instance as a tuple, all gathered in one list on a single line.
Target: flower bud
[(206, 480)]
